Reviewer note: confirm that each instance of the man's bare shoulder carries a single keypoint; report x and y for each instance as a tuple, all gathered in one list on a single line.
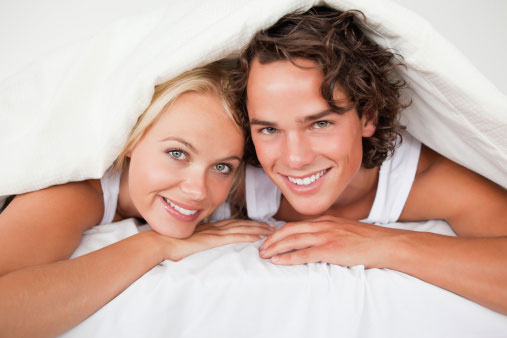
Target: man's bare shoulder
[(443, 189)]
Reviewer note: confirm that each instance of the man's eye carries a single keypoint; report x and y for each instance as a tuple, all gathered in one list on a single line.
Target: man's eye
[(321, 124), (223, 168), (268, 130), (177, 154)]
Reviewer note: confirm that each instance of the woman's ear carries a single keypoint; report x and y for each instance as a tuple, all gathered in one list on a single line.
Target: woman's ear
[(128, 153), (369, 123)]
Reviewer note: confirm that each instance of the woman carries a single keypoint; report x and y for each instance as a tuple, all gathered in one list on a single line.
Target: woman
[(165, 175)]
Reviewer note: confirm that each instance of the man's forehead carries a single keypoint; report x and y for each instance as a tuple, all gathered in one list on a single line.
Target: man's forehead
[(304, 71)]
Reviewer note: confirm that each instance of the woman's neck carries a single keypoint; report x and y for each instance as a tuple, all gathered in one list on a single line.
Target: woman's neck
[(126, 207)]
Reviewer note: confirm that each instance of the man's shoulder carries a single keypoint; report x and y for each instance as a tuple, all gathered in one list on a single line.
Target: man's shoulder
[(443, 189)]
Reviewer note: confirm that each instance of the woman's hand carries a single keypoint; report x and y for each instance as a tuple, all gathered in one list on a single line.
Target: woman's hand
[(331, 240), (212, 235)]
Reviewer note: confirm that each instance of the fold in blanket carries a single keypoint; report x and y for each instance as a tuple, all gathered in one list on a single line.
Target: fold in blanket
[(230, 291), (66, 117)]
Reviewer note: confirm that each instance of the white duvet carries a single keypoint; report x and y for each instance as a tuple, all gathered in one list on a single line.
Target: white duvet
[(67, 116), (230, 292)]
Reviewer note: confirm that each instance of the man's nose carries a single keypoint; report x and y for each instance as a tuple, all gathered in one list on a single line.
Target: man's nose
[(298, 151)]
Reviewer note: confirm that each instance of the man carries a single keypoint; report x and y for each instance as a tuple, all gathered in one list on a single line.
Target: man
[(322, 102)]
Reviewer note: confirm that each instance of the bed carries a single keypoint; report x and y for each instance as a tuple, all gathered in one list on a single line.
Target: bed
[(69, 113), (231, 292)]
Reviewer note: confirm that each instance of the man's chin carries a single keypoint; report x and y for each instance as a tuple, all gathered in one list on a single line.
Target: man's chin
[(308, 206)]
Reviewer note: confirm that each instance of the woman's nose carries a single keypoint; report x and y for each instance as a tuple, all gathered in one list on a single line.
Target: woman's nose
[(194, 185)]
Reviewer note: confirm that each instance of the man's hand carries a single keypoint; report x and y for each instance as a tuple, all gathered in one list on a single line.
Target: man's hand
[(331, 240)]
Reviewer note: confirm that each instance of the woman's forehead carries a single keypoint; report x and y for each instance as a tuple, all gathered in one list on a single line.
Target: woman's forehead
[(200, 120)]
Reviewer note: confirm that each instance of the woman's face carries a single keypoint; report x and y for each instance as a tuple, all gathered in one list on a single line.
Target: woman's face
[(311, 153), (182, 168)]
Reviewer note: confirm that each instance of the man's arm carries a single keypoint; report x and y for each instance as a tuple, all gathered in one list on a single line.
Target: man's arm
[(472, 205), (472, 265)]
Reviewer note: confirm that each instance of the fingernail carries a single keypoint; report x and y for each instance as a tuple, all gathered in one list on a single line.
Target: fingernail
[(275, 259), (262, 252)]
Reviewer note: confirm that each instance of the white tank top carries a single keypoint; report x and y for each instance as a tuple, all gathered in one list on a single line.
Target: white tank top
[(110, 183), (396, 176)]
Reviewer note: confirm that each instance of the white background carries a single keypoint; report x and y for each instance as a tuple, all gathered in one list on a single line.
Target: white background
[(29, 28)]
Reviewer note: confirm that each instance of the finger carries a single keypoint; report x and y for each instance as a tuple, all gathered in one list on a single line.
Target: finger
[(240, 229), (307, 255), (218, 223), (293, 242), (248, 224), (207, 226), (214, 241), (235, 222), (289, 229), (239, 238)]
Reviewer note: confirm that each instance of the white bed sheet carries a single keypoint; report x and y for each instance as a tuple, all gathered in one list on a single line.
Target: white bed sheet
[(230, 292)]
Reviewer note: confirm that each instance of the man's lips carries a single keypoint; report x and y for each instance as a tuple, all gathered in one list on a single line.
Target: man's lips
[(307, 183)]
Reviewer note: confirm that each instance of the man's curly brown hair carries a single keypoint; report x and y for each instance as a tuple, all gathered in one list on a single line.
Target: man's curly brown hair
[(363, 69)]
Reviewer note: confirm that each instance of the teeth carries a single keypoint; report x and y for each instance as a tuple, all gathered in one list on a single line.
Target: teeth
[(307, 180), (180, 209)]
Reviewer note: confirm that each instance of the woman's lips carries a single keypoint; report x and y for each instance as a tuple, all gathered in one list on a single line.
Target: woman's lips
[(180, 212)]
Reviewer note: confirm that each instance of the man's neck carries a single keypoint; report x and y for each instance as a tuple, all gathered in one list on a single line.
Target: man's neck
[(355, 201)]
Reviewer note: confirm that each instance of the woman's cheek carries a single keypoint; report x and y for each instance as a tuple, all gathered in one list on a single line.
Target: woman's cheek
[(220, 191)]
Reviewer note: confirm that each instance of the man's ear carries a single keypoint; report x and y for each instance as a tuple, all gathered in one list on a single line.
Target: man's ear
[(369, 123)]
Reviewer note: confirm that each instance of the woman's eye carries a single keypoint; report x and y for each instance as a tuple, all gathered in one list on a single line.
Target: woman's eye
[(321, 124), (177, 154), (223, 168), (268, 130)]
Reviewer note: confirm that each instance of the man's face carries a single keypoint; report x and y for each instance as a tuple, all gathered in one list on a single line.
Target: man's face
[(311, 153)]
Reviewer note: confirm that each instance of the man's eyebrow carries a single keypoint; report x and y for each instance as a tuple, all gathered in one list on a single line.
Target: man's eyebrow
[(316, 116), (177, 139), (303, 120), (255, 121)]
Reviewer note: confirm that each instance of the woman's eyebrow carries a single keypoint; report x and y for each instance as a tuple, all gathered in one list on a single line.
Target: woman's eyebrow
[(230, 158), (182, 141)]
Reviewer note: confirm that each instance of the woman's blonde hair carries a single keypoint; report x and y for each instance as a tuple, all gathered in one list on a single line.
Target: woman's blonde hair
[(211, 78)]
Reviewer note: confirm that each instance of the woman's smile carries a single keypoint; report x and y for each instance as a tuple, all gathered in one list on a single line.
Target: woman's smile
[(180, 212), (176, 179)]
